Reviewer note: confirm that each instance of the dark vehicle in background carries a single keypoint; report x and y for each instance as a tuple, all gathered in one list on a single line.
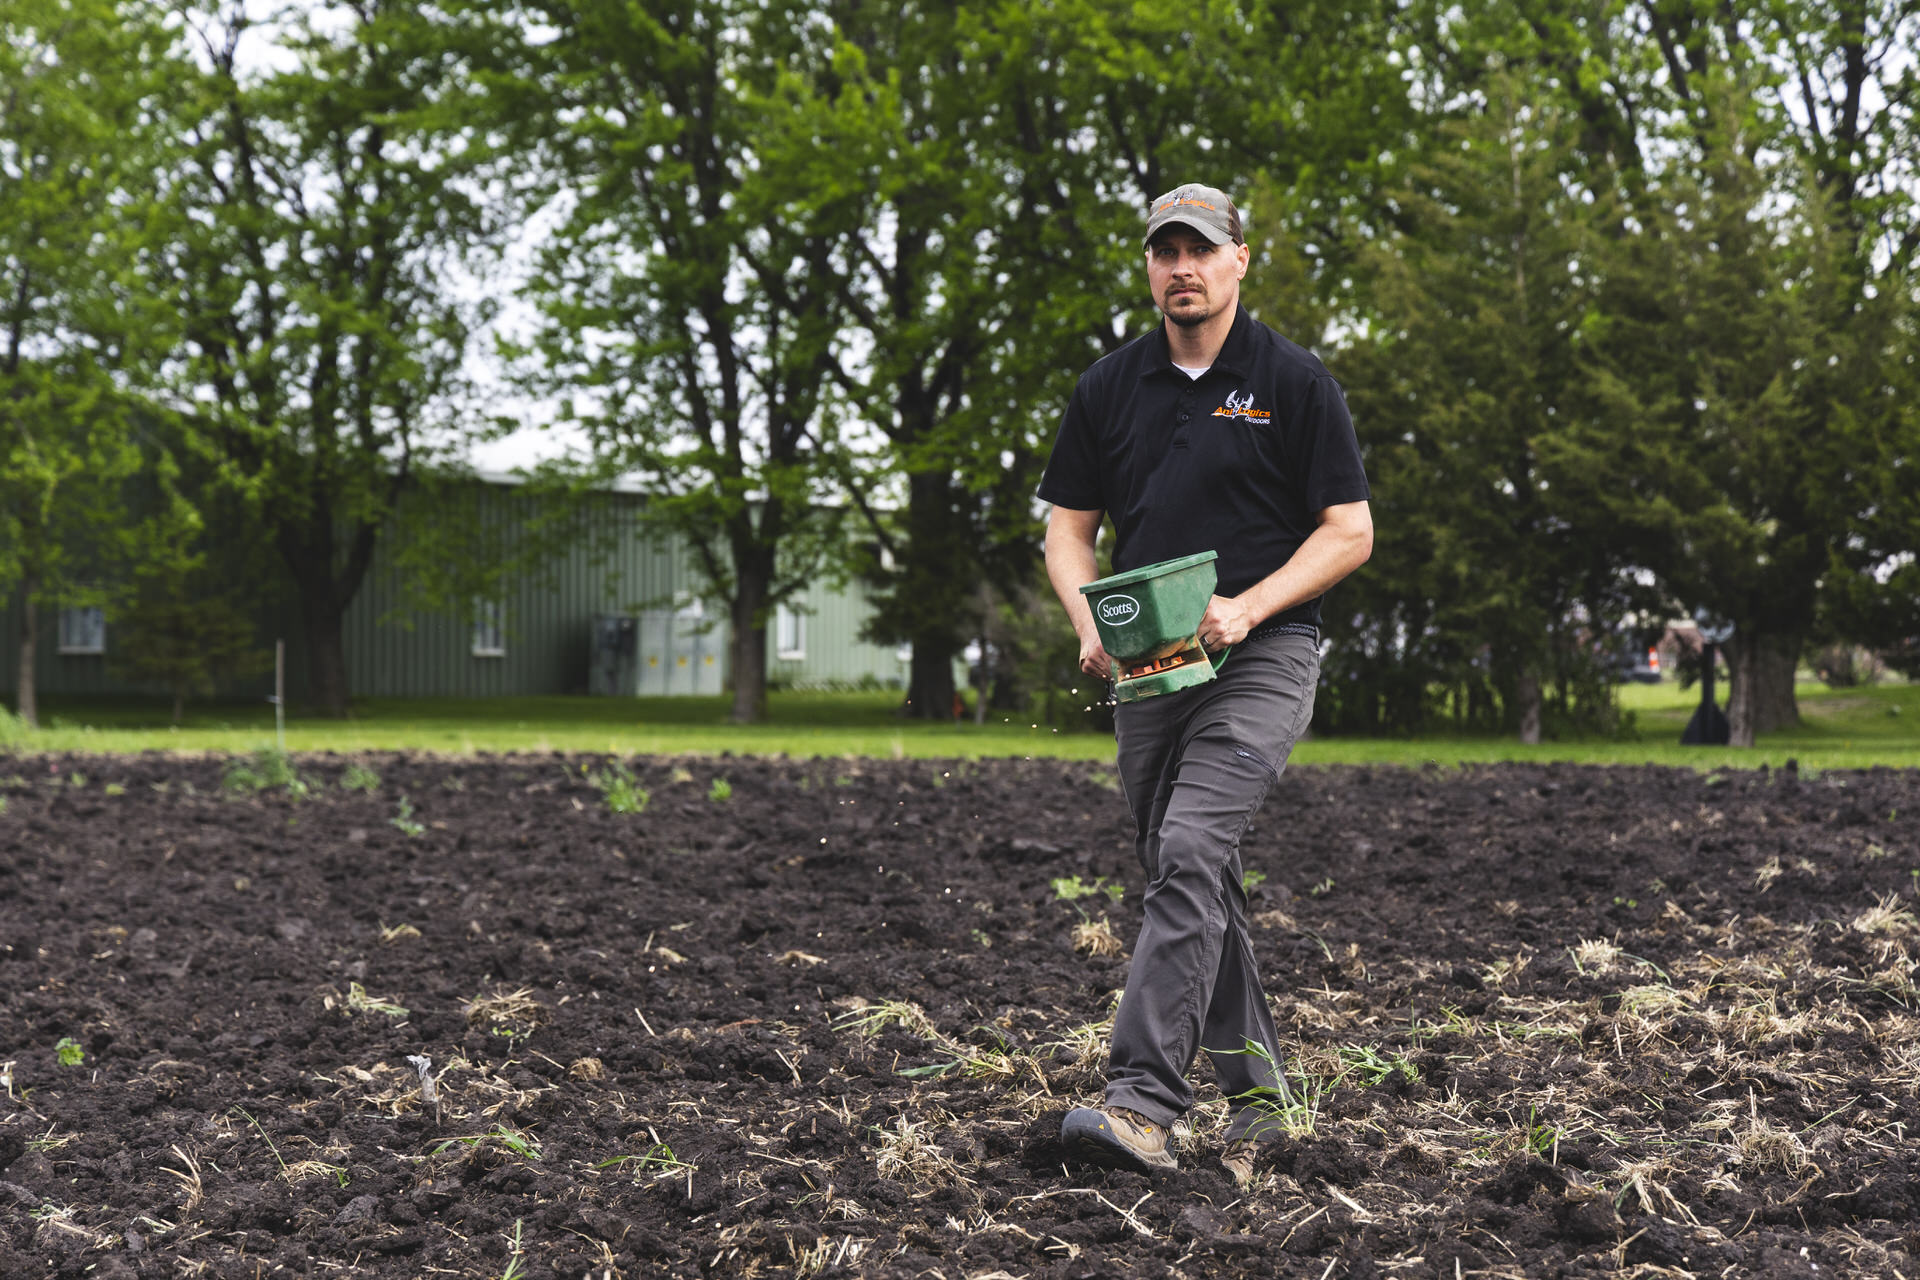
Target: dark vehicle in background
[(1639, 664)]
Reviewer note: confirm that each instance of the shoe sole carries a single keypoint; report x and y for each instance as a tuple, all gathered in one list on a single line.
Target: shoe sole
[(1089, 1137)]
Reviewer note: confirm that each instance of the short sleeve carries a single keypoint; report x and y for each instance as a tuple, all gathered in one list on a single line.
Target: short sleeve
[(1328, 461), (1072, 477)]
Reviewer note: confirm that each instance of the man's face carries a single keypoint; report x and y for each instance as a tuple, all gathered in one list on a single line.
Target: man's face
[(1192, 278)]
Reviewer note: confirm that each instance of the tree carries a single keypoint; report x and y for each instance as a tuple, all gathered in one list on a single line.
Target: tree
[(336, 201), (180, 631), (1483, 582), (1761, 431), (1006, 156), (685, 317), (86, 488)]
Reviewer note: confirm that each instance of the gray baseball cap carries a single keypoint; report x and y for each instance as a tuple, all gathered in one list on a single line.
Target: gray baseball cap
[(1207, 210)]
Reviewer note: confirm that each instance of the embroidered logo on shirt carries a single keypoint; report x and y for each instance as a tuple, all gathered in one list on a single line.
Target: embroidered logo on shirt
[(1240, 405)]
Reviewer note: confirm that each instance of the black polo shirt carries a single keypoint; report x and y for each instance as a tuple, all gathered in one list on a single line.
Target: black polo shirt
[(1237, 461)]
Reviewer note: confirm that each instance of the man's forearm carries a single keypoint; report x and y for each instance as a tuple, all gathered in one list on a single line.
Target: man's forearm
[(1070, 566), (1330, 553)]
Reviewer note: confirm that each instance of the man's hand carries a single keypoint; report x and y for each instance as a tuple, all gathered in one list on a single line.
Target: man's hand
[(1226, 622), (1093, 657)]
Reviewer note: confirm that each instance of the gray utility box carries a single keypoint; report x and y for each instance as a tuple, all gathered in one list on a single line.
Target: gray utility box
[(657, 654)]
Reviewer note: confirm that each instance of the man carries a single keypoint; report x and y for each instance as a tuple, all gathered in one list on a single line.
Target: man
[(1209, 433)]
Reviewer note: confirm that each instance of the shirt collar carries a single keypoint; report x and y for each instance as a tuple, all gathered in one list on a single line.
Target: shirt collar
[(1234, 355)]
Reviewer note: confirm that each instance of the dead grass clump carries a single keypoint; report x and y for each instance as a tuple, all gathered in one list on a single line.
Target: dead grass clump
[(503, 1008), (908, 1152), (1096, 937), (870, 1019), (1652, 1001), (1595, 955), (1087, 1045), (1649, 1182), (1758, 1018), (1765, 1145), (587, 1069), (1885, 916)]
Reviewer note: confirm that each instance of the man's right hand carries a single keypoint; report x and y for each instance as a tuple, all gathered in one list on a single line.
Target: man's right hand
[(1093, 658)]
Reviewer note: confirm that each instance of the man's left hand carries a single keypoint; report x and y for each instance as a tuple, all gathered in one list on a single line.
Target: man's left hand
[(1226, 622)]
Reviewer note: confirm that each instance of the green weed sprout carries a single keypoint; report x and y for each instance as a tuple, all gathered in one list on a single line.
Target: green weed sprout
[(721, 791), (1248, 879), (522, 1145), (403, 822), (266, 769), (516, 1254), (69, 1052), (618, 787), (357, 777), (1072, 888), (657, 1162), (1294, 1112), (358, 1001)]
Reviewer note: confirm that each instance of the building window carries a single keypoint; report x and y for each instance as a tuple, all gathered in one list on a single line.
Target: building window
[(489, 629), (789, 633), (83, 631)]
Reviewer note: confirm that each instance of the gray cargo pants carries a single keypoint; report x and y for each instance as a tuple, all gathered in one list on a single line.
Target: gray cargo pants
[(1195, 766)]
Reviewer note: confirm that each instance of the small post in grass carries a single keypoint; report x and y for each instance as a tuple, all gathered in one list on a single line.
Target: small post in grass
[(279, 698)]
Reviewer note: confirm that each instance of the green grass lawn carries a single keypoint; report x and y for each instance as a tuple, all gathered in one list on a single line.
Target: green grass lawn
[(1841, 729)]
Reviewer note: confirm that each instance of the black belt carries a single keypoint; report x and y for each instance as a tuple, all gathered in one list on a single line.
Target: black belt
[(1266, 629)]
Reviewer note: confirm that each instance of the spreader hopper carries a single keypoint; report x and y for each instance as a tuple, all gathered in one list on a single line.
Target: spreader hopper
[(1149, 621)]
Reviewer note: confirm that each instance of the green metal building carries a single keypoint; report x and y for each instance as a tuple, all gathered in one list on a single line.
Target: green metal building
[(610, 611)]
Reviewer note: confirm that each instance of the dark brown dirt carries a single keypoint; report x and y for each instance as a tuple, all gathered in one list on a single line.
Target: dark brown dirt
[(1550, 1021)]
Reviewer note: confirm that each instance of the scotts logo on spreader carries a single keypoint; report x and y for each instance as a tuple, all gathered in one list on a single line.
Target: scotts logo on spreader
[(1119, 610), (1240, 405)]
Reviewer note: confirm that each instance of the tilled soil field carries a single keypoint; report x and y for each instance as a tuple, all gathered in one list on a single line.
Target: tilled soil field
[(821, 1018)]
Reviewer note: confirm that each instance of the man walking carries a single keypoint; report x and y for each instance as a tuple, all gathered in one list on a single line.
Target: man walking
[(1209, 433)]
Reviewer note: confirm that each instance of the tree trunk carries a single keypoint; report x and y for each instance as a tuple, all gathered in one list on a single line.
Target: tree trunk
[(1526, 703), (326, 653), (28, 699), (1760, 698), (747, 646), (938, 583), (930, 687)]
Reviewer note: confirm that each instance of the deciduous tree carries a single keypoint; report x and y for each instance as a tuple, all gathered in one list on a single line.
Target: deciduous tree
[(338, 193)]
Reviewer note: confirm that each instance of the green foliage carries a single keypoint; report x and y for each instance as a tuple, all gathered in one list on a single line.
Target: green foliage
[(403, 821), (174, 632), (521, 1144), (334, 186), (721, 791), (69, 1052), (268, 768), (618, 787), (87, 490), (358, 777), (1073, 888)]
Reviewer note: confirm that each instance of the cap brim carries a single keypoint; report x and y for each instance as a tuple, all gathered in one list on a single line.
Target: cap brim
[(1212, 235)]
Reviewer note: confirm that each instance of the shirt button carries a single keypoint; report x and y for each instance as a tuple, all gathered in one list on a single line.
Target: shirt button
[(1185, 416)]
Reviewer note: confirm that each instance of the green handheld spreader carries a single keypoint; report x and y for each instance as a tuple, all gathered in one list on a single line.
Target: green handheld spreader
[(1149, 621)]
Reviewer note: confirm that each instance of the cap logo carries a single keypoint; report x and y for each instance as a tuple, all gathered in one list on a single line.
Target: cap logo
[(1199, 204)]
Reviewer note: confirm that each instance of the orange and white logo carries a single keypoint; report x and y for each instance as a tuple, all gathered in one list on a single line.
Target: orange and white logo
[(1240, 405)]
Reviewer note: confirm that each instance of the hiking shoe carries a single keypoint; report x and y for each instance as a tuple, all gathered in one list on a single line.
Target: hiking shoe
[(1116, 1138), (1237, 1159)]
